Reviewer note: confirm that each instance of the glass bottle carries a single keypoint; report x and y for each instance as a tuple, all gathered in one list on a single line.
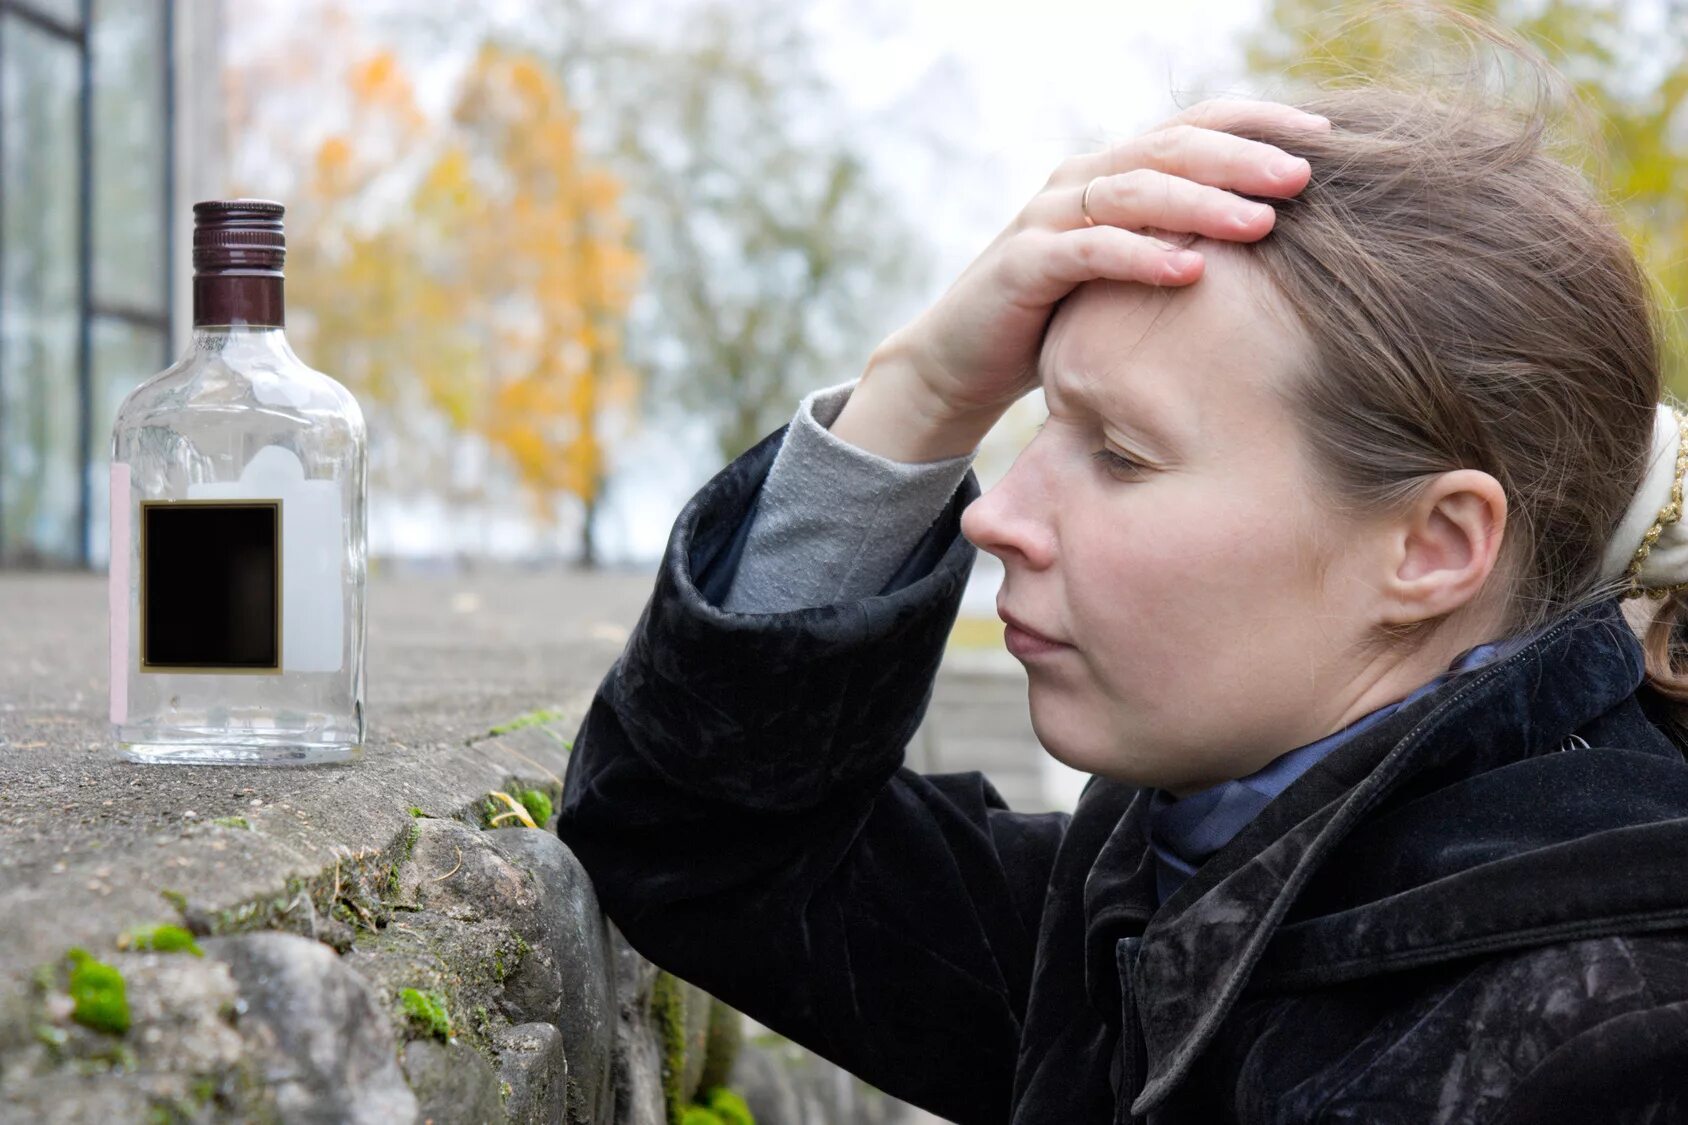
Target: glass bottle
[(238, 541)]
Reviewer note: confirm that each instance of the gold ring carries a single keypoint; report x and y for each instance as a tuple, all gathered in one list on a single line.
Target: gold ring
[(1084, 202)]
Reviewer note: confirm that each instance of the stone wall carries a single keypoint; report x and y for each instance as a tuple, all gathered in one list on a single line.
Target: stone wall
[(375, 942), (464, 975)]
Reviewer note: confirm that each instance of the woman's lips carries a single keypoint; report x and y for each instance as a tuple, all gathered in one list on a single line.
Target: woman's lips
[(1024, 642)]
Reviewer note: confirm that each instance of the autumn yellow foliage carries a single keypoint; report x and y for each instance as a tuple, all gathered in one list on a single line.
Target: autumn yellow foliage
[(1624, 133), (476, 267)]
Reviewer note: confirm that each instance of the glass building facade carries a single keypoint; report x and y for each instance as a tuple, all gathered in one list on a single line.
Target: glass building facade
[(88, 199)]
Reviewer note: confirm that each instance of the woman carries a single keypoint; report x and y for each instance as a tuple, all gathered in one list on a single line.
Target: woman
[(1319, 566)]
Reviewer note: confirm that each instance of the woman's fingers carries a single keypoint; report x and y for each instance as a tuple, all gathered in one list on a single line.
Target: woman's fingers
[(1044, 265), (975, 350), (1224, 113), (1214, 116), (1149, 197), (1210, 157), (1183, 176)]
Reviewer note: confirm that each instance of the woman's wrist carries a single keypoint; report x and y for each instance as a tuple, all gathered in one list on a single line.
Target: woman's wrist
[(893, 413)]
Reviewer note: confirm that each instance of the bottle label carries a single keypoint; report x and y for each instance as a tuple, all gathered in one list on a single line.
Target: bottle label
[(211, 585), (245, 576)]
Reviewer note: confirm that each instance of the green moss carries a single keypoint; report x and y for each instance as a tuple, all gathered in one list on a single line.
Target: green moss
[(538, 805), (728, 1106), (163, 939), (176, 899), (231, 822), (98, 993), (669, 1017), (720, 1106), (405, 850), (265, 914), (183, 1111), (173, 1112), (530, 719), (53, 1038), (416, 811), (496, 812), (722, 1040), (426, 1011), (115, 1055), (45, 979), (519, 949), (352, 890)]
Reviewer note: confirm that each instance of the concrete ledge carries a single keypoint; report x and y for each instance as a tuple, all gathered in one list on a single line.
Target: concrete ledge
[(321, 898)]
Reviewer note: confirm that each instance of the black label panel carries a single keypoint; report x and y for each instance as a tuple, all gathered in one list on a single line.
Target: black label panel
[(210, 586)]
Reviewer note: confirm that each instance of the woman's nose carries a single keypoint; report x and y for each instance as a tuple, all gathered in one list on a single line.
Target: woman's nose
[(1014, 517)]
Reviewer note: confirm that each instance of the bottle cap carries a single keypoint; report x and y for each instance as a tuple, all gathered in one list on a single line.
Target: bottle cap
[(238, 234)]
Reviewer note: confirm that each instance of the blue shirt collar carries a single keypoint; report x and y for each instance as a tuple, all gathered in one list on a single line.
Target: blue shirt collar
[(1184, 831)]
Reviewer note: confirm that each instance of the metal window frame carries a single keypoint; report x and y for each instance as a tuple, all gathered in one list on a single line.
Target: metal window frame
[(88, 308)]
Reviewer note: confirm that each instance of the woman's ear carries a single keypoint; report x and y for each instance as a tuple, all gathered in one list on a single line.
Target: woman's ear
[(1443, 548)]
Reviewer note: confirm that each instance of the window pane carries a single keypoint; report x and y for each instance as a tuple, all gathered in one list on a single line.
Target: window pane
[(38, 454), (129, 154), (124, 356)]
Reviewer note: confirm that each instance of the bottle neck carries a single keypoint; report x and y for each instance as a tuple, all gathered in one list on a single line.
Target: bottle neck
[(245, 345), (252, 299)]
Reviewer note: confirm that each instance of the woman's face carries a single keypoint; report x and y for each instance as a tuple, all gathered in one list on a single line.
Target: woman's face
[(1200, 638)]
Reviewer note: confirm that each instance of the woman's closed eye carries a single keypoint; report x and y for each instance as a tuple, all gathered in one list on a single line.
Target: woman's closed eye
[(1114, 464)]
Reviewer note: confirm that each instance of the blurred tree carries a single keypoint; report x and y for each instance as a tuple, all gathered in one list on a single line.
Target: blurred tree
[(773, 260), (1630, 72), (471, 271), (776, 261), (548, 271)]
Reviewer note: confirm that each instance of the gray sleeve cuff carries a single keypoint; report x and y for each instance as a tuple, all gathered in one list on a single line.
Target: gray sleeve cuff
[(834, 521)]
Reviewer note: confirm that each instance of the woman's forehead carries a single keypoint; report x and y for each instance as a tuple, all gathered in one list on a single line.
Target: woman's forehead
[(1119, 343)]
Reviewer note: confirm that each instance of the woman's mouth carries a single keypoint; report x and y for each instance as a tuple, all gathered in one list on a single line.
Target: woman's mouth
[(1025, 642)]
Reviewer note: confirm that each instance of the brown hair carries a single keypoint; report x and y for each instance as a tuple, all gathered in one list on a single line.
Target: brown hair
[(1472, 303)]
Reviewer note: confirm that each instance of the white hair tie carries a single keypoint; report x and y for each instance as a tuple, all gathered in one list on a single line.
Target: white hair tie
[(1654, 518)]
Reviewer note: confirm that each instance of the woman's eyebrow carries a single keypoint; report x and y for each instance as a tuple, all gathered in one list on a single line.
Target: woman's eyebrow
[(1112, 400)]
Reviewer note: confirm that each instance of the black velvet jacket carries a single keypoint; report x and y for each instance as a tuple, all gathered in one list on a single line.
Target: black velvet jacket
[(1464, 914)]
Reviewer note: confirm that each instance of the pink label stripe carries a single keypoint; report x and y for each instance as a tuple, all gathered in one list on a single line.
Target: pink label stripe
[(118, 592)]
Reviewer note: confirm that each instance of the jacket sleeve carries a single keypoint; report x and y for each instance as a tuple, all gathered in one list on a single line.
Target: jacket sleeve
[(1624, 1071), (833, 520), (737, 793)]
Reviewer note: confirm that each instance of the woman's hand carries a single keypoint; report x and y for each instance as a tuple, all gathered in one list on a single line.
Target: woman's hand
[(935, 386)]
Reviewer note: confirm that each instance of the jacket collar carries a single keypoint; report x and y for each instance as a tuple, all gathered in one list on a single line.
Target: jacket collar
[(1199, 949)]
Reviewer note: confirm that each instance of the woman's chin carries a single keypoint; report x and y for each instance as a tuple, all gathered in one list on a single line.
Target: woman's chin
[(1077, 747), (1081, 752)]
